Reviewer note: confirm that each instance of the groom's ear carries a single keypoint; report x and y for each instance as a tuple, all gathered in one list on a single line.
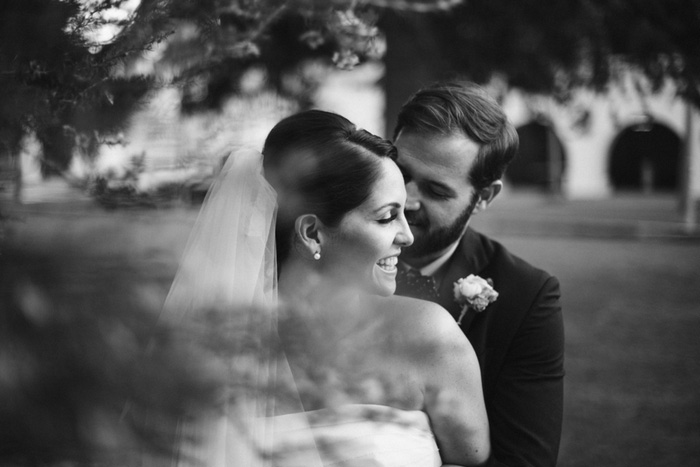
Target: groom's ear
[(307, 230), (487, 195)]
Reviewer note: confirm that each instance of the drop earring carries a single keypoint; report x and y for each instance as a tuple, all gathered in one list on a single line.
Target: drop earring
[(317, 255)]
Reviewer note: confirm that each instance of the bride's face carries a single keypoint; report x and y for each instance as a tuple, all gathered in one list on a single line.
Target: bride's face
[(363, 249)]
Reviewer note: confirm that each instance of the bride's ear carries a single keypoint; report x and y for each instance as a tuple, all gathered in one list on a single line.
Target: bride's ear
[(307, 230)]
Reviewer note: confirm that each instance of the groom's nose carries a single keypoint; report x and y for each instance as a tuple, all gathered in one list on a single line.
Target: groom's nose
[(412, 199)]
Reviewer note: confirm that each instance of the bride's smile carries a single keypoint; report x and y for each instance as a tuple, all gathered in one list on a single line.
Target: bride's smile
[(388, 264)]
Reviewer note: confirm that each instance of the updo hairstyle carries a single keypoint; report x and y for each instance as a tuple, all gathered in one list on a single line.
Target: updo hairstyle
[(320, 163)]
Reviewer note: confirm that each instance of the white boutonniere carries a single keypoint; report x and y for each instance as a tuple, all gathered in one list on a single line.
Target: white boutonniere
[(474, 292)]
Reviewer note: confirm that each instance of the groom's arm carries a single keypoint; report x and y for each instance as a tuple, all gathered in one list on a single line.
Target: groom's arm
[(526, 405)]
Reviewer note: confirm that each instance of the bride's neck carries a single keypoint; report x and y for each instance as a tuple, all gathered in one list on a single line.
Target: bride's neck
[(301, 283)]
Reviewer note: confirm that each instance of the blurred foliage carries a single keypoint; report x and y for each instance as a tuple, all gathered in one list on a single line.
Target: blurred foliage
[(78, 383), (554, 47), (92, 374), (122, 192), (216, 42), (662, 38), (55, 82), (58, 80)]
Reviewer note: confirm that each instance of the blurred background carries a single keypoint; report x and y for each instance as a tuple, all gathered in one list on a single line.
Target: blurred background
[(116, 115)]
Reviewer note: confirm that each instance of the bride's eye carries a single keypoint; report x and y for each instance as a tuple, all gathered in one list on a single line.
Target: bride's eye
[(390, 216)]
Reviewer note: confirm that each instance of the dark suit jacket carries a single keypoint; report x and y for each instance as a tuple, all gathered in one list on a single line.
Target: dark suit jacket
[(519, 340)]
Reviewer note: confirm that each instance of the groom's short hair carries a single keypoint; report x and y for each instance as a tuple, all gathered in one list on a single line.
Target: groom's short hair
[(451, 107)]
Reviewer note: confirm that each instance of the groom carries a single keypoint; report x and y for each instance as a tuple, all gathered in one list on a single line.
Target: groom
[(454, 144)]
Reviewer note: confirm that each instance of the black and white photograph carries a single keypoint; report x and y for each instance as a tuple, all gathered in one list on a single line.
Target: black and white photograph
[(349, 233)]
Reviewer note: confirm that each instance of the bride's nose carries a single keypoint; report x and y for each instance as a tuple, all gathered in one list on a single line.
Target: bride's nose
[(404, 237)]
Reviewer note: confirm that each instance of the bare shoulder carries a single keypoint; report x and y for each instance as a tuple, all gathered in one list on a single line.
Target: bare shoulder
[(428, 336), (421, 320), (407, 307)]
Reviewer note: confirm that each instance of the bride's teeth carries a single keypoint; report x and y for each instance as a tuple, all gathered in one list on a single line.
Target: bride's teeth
[(390, 262)]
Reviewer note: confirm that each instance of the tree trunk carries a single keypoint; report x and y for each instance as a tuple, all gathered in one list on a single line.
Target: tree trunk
[(413, 59), (688, 203)]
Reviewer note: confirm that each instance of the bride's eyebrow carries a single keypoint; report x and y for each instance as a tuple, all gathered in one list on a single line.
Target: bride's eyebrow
[(392, 205)]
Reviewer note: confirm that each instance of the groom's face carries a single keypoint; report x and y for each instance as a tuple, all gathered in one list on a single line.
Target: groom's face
[(440, 198)]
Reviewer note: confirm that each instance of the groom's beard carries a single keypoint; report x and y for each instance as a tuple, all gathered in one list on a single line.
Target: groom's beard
[(439, 239)]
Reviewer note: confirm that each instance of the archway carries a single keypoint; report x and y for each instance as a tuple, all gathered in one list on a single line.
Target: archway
[(540, 161), (645, 157)]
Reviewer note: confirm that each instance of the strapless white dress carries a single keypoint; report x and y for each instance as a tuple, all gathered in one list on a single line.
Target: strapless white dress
[(352, 436)]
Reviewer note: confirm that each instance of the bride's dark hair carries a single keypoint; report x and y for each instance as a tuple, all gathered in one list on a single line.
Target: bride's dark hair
[(320, 163)]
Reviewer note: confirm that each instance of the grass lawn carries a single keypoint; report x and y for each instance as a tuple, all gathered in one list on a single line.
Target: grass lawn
[(632, 315)]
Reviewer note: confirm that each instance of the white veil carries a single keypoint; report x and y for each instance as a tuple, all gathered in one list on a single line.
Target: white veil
[(230, 256), (229, 265)]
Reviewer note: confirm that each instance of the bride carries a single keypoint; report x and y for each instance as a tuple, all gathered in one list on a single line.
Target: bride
[(344, 373)]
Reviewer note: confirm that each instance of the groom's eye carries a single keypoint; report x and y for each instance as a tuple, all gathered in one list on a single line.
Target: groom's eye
[(438, 192), (438, 195)]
